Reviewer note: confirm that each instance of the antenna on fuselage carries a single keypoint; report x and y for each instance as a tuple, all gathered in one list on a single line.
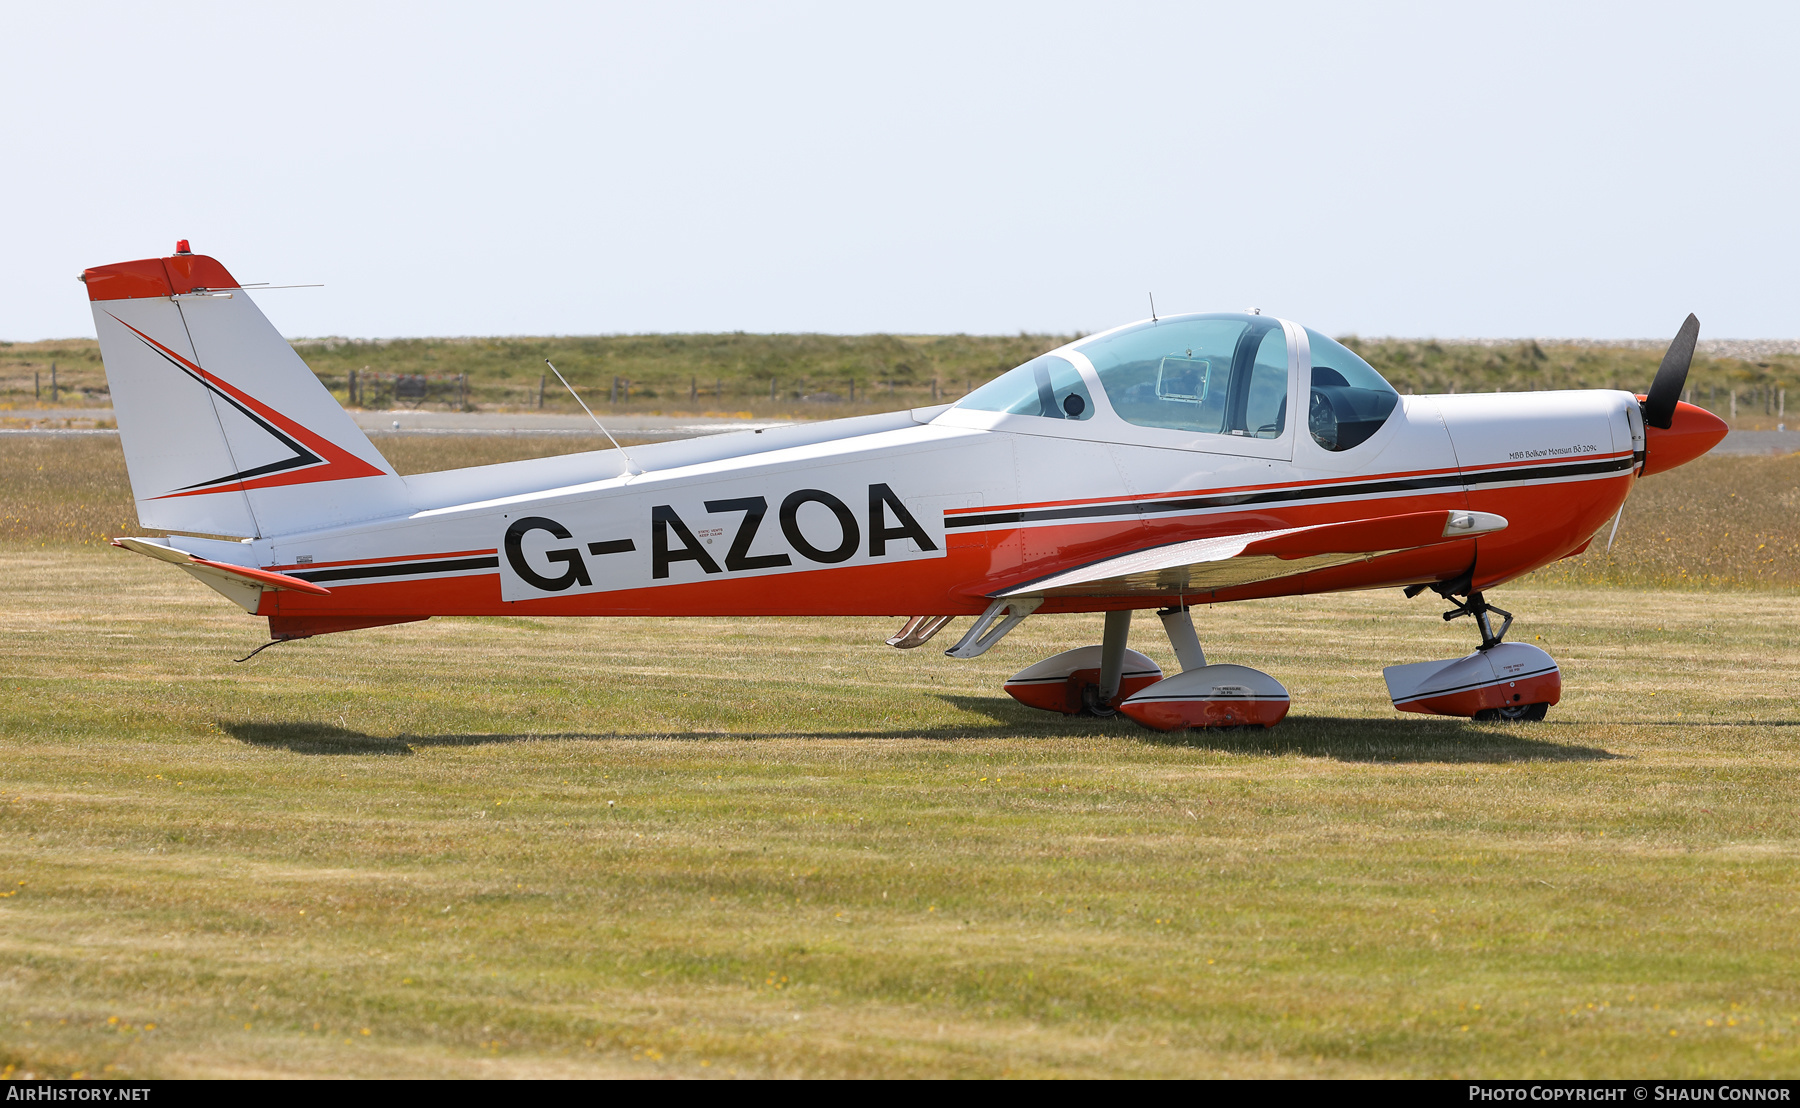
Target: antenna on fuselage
[(1153, 307), (631, 467), (1615, 530)]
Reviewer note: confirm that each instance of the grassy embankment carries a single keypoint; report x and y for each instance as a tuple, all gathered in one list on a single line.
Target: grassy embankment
[(731, 374)]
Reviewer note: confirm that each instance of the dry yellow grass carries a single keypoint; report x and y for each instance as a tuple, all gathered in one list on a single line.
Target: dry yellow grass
[(776, 847), (1717, 521)]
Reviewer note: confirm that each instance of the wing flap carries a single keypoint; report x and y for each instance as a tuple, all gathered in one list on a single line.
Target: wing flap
[(1224, 561)]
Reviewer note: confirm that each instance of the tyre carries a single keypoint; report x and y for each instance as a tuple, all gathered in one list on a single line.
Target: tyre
[(1091, 704), (1513, 713)]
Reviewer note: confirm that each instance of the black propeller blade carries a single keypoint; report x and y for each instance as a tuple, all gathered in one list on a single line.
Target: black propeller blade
[(1671, 376)]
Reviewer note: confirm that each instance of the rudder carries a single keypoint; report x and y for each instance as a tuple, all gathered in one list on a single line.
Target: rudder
[(225, 429)]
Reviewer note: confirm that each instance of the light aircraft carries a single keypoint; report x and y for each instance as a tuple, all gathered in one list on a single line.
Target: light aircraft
[(1177, 461)]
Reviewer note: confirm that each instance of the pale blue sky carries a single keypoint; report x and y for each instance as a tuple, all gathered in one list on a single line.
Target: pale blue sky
[(456, 169)]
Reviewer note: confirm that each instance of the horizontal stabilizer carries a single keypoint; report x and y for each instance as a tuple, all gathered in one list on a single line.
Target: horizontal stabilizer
[(1224, 561), (245, 574)]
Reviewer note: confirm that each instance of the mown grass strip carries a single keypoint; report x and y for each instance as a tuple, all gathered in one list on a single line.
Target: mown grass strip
[(537, 847)]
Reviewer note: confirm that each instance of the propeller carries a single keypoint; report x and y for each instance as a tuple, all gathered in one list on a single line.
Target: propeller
[(1671, 376)]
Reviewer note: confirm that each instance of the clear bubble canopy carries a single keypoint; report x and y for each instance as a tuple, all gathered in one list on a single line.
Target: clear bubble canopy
[(1219, 374)]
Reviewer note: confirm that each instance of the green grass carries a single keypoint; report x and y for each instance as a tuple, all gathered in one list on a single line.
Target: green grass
[(777, 847)]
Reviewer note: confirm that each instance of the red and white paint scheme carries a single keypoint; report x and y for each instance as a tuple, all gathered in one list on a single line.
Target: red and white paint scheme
[(1509, 680), (1173, 462), (1069, 682), (1212, 696)]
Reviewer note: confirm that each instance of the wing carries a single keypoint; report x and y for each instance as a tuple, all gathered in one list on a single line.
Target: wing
[(1200, 565)]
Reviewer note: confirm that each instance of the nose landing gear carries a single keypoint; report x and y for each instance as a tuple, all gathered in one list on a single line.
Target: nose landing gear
[(1512, 682)]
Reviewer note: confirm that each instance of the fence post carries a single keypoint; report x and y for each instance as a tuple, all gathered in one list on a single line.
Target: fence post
[(771, 388), (693, 387), (53, 382), (37, 385), (613, 396), (1733, 403), (852, 390)]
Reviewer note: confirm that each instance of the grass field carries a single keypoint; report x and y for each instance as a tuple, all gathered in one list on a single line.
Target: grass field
[(711, 847), (723, 374), (707, 847)]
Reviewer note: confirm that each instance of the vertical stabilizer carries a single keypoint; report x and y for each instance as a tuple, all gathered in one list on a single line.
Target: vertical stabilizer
[(225, 429)]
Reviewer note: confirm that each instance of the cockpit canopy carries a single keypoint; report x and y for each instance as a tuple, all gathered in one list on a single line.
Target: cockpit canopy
[(1350, 401), (1221, 374)]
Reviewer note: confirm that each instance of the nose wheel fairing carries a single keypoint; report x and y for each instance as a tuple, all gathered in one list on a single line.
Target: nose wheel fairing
[(1506, 678)]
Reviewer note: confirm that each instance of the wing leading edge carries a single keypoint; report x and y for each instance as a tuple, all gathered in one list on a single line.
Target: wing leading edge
[(1224, 561)]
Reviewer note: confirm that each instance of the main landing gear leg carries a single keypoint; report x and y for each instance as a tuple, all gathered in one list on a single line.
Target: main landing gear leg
[(1096, 700), (1179, 623)]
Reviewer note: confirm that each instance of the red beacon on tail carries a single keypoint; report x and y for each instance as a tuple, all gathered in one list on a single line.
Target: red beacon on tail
[(1165, 464)]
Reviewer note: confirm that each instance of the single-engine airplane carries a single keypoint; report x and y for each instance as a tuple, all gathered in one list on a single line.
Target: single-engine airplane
[(1191, 459)]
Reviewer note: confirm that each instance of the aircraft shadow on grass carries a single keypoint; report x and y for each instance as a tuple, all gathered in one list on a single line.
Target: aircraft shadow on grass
[(1437, 739), (1348, 740)]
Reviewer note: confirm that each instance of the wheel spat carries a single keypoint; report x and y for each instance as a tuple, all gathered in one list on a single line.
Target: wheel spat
[(1671, 376)]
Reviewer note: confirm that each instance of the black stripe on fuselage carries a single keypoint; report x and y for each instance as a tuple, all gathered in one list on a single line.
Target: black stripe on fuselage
[(1282, 496), (400, 569)]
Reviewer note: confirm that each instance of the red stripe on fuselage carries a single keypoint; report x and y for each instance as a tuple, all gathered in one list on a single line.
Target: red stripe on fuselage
[(1545, 526), (974, 566), (1326, 482)]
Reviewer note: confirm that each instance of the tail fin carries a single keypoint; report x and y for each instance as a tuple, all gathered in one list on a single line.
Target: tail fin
[(225, 430)]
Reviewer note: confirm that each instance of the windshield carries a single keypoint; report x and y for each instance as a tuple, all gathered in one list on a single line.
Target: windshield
[(1350, 401), (1046, 386), (1215, 374)]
